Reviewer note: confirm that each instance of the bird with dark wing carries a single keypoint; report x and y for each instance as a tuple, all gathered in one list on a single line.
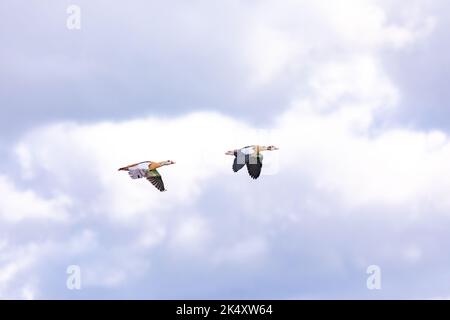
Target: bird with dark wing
[(251, 157), (147, 169)]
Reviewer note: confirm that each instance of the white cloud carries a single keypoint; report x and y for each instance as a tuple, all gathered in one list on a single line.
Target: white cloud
[(15, 263), (333, 160), (19, 205), (246, 253), (394, 170), (232, 56), (190, 236)]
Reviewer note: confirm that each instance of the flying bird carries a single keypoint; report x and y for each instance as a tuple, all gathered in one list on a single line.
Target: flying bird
[(251, 157), (147, 169)]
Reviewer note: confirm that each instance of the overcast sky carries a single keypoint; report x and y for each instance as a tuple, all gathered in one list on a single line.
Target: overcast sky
[(354, 92)]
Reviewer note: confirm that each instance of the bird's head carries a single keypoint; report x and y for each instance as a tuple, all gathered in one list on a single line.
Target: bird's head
[(272, 148), (168, 162)]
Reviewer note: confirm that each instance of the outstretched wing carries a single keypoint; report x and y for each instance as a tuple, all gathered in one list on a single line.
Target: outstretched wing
[(137, 170), (155, 178), (254, 165), (239, 161)]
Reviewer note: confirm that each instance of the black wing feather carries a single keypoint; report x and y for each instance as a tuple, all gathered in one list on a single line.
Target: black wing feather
[(254, 165), (239, 162), (155, 178)]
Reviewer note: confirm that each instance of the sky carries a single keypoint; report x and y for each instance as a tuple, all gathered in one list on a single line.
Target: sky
[(353, 92)]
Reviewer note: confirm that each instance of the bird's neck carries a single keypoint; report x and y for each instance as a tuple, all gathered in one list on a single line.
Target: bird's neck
[(155, 165), (260, 148)]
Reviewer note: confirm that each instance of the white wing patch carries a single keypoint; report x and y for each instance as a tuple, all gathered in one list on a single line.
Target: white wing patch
[(139, 170), (248, 150), (140, 166), (137, 173)]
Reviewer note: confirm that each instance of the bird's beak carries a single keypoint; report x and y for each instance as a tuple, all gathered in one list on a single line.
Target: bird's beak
[(172, 162), (229, 153)]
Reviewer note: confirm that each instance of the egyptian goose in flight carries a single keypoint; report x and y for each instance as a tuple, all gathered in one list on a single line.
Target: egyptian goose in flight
[(251, 157), (147, 169)]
